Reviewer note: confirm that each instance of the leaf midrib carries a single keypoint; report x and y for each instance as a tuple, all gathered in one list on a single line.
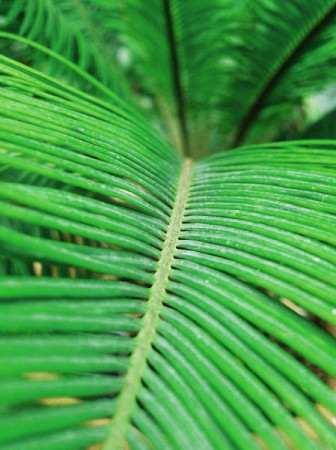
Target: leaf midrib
[(278, 70), (180, 100), (127, 397)]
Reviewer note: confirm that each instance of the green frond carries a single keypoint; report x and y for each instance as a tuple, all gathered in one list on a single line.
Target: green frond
[(150, 298), (228, 71), (287, 51), (72, 28), (174, 296), (181, 56), (219, 74)]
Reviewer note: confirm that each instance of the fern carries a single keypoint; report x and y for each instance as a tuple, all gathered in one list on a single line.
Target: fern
[(71, 28), (152, 298)]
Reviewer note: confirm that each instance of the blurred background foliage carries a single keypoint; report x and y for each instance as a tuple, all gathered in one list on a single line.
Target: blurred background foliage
[(181, 65)]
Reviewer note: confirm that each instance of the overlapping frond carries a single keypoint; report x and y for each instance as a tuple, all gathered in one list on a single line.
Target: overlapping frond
[(287, 51), (183, 299), (181, 55), (152, 302), (220, 74), (229, 71), (77, 30)]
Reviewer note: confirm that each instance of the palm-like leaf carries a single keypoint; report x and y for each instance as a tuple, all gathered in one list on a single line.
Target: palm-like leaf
[(194, 59), (295, 55), (69, 27), (183, 63), (188, 300)]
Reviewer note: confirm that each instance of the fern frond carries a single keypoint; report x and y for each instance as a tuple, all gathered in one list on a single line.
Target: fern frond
[(287, 52), (180, 53), (195, 327), (71, 28), (218, 69)]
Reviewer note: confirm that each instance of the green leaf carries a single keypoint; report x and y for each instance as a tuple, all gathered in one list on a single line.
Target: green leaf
[(69, 28), (189, 61), (288, 53), (179, 51), (149, 299)]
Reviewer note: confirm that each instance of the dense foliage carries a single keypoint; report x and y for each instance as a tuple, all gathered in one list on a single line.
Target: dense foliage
[(167, 225)]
